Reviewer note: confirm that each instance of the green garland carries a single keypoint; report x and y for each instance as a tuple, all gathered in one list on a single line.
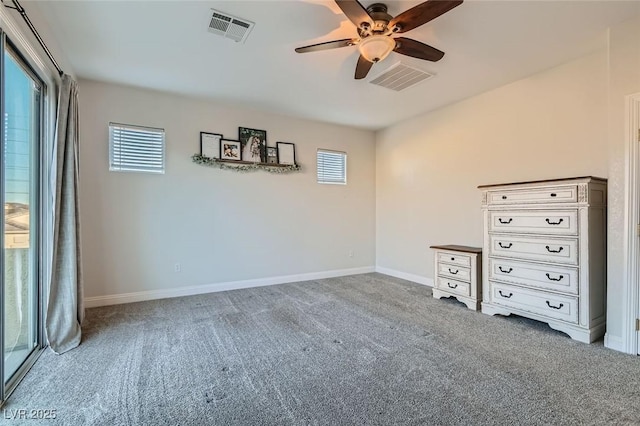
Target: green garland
[(243, 167)]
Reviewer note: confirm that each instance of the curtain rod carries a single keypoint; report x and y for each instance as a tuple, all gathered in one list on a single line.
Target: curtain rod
[(23, 13)]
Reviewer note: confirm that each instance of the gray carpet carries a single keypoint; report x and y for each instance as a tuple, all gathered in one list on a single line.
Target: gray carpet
[(365, 349)]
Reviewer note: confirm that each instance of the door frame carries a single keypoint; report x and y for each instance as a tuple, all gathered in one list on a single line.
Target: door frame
[(631, 285), (2, 304), (37, 186), (34, 57)]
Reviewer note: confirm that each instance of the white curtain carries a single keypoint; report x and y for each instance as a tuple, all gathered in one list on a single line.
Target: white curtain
[(65, 310)]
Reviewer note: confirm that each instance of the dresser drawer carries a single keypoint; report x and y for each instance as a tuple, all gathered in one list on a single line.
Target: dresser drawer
[(455, 272), (535, 222), (453, 286), (557, 278), (564, 194), (550, 305), (557, 250), (454, 258)]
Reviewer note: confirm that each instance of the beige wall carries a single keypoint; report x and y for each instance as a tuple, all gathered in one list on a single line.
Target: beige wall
[(551, 125), (624, 80), (219, 225)]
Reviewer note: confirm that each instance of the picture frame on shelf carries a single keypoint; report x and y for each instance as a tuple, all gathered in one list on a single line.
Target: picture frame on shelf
[(272, 155), (230, 150), (286, 153), (253, 144), (210, 144)]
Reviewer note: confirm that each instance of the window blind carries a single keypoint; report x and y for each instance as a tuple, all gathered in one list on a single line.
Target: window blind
[(136, 148), (332, 167)]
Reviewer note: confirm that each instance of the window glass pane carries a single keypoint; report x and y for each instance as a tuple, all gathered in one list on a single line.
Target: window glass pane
[(21, 124)]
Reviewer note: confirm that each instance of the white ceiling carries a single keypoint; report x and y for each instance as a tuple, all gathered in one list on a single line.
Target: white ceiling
[(165, 45)]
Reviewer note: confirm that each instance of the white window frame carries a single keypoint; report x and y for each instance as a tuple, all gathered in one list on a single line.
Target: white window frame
[(154, 132), (329, 182)]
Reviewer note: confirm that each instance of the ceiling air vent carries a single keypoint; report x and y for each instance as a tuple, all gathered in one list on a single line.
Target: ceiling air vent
[(229, 26), (400, 77)]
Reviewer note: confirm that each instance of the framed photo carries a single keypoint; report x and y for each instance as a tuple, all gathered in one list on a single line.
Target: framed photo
[(272, 155), (286, 153), (210, 144), (230, 150), (254, 144)]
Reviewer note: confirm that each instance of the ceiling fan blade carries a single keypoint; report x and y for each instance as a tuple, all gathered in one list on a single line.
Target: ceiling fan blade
[(327, 45), (355, 12), (409, 47), (363, 67), (422, 13)]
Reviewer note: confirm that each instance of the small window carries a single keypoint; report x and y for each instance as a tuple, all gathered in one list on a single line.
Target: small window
[(332, 167), (136, 148)]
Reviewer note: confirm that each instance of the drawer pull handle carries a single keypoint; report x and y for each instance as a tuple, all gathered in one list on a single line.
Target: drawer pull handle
[(555, 279), (505, 295), (505, 222), (553, 194), (505, 271), (554, 223), (506, 246), (555, 307), (504, 197), (452, 286), (554, 251), (453, 272)]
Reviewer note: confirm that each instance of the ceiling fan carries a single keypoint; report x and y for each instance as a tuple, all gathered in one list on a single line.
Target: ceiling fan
[(376, 29)]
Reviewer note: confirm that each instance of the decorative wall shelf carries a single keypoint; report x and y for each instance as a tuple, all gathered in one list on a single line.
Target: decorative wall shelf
[(244, 166)]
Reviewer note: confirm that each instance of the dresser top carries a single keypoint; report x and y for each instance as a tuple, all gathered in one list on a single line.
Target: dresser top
[(562, 180), (454, 247)]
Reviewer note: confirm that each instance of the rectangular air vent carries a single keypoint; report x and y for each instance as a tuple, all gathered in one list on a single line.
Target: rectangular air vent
[(229, 26), (400, 77)]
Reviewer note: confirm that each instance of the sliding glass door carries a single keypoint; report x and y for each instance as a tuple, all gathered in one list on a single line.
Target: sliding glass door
[(22, 105)]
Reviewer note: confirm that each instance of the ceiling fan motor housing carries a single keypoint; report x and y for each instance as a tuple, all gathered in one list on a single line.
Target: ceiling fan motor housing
[(380, 17)]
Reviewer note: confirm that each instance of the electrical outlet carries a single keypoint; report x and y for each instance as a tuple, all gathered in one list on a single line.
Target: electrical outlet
[(177, 268)]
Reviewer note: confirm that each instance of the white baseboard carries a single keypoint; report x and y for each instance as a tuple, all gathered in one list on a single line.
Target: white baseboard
[(406, 276), (614, 342), (141, 296)]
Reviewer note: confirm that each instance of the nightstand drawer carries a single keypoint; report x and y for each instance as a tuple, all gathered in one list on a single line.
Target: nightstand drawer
[(557, 250), (550, 305), (456, 272), (454, 258), (567, 194), (453, 286), (535, 222)]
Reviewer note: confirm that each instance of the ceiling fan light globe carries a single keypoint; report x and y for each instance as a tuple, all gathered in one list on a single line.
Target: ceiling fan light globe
[(376, 47)]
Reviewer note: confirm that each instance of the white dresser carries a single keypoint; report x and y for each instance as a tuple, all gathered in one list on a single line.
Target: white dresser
[(544, 254), (458, 274)]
